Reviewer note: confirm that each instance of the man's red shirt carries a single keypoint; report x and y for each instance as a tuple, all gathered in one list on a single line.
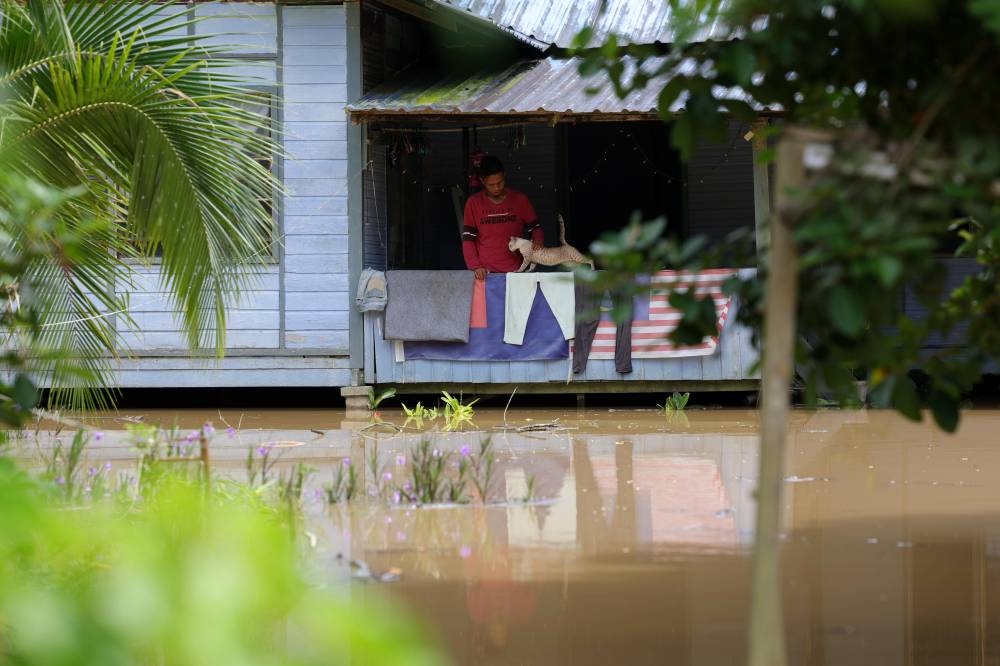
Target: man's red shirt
[(489, 226)]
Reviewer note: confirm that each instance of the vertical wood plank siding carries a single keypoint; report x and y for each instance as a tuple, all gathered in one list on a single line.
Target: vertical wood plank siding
[(311, 51), (253, 320), (314, 71)]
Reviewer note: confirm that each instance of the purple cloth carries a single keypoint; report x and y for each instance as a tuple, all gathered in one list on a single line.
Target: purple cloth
[(543, 339)]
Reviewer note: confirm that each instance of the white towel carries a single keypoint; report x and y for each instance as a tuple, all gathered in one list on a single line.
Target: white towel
[(557, 288)]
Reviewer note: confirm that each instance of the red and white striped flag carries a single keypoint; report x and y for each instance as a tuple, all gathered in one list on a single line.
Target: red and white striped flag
[(649, 336)]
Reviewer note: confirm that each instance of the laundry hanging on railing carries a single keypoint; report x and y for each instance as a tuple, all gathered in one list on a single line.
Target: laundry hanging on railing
[(651, 327)]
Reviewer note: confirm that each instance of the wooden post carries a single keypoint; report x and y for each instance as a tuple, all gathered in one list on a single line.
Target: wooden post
[(206, 463), (761, 191), (767, 628)]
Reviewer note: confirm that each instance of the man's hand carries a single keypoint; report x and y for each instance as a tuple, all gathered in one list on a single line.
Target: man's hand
[(480, 273)]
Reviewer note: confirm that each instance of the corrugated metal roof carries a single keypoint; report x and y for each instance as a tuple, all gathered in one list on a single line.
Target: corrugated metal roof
[(545, 23), (547, 86)]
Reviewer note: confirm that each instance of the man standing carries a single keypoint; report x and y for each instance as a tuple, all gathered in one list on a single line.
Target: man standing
[(492, 216)]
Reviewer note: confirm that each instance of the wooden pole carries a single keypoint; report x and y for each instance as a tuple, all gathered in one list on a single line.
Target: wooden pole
[(767, 629), (206, 463)]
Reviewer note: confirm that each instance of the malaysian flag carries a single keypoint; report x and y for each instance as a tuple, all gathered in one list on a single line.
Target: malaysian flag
[(655, 318)]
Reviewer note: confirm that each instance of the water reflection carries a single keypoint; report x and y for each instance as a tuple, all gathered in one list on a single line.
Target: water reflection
[(633, 547)]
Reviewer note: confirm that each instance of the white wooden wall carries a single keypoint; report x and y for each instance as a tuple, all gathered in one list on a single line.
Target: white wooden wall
[(314, 56), (291, 328)]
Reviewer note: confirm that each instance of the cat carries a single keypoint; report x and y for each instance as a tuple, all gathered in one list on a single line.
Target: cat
[(547, 256)]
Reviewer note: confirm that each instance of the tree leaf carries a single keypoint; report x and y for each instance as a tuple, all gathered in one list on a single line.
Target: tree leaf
[(945, 410), (846, 311), (905, 399), (888, 269)]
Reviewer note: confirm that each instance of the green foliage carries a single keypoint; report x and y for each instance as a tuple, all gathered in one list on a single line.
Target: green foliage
[(430, 482), (375, 400), (676, 402), (119, 136), (481, 467), (419, 413), (185, 578), (344, 487), (456, 413), (912, 181)]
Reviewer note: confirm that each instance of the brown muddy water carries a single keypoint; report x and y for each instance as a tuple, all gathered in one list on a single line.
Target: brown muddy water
[(634, 545)]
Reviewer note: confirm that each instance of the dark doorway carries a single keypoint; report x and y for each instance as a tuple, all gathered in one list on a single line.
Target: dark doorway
[(615, 169)]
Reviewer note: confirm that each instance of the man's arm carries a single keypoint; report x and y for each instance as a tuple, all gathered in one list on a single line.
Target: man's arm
[(470, 243), (532, 229)]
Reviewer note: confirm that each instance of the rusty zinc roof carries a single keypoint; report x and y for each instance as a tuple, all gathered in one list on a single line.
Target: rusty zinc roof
[(546, 87), (545, 23)]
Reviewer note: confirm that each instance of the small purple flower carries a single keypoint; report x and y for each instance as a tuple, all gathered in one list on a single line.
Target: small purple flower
[(400, 536), (464, 450), (98, 436), (230, 431), (193, 435), (396, 497), (61, 480), (92, 471), (107, 467), (263, 451), (388, 520), (464, 552), (400, 460), (387, 476), (407, 486), (346, 462), (207, 429)]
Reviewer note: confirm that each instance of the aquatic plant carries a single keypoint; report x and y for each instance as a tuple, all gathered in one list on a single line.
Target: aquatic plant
[(62, 464), (676, 402), (456, 413), (376, 469), (259, 464), (419, 413), (481, 468), (429, 482), (529, 488), (345, 484), (375, 400), (79, 586)]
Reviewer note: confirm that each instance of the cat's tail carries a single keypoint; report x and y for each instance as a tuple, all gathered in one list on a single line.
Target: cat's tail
[(562, 230)]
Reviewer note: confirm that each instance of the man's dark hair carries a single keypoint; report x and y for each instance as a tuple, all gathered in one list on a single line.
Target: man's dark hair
[(490, 165)]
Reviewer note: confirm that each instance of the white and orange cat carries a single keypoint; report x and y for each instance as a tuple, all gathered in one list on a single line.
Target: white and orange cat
[(547, 256)]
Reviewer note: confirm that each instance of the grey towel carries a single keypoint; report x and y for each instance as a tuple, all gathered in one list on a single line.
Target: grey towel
[(428, 305), (371, 291)]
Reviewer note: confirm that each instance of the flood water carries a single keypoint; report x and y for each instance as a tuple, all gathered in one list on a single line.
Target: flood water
[(633, 546)]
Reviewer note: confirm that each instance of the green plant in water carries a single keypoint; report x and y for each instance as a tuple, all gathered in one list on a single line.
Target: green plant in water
[(259, 465), (456, 413), (481, 469), (375, 400), (78, 587), (529, 488), (290, 489), (376, 469), (166, 454), (345, 484), (419, 413), (676, 402), (429, 482)]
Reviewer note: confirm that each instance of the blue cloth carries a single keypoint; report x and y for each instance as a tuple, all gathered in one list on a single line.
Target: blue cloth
[(543, 339)]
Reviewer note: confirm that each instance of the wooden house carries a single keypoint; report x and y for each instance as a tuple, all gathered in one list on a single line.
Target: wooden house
[(380, 105)]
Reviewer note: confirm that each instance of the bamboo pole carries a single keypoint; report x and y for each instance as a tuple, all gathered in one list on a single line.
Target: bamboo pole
[(767, 628)]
